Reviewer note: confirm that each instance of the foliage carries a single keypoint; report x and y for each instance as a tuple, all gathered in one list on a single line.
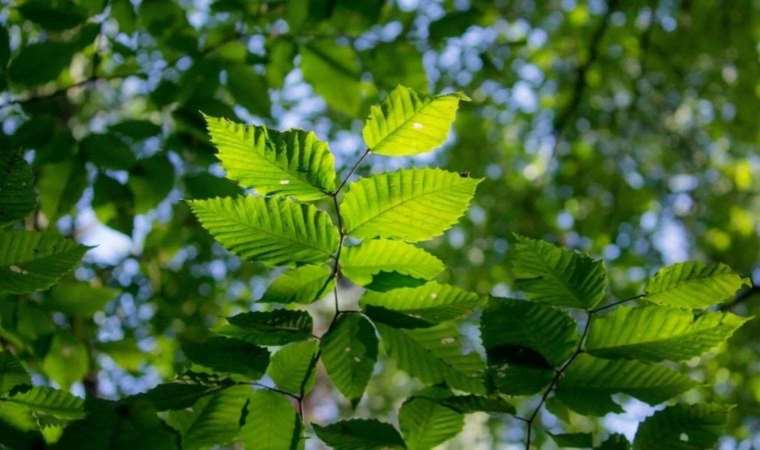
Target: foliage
[(623, 130)]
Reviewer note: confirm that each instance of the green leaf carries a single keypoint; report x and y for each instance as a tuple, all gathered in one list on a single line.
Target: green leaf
[(175, 395), (359, 434), (362, 262), (60, 186), (151, 180), (294, 162), (558, 276), (107, 151), (349, 353), (25, 68), (434, 355), (276, 327), (407, 67), (426, 423), (12, 373), (693, 285), (334, 71), (303, 284), (293, 368), (31, 261), (432, 301), (515, 323), (67, 360), (249, 89), (409, 204), (474, 403), (407, 123), (393, 318), (656, 333), (118, 426), (683, 427), (273, 231), (17, 196), (54, 15), (589, 382), (524, 342), (271, 424), (615, 442), (228, 355), (217, 419), (48, 401), (573, 440), (78, 298)]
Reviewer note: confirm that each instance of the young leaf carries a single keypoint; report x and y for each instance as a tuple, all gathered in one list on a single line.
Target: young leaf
[(276, 327), (693, 285), (294, 162), (357, 434), (216, 420), (273, 231), (292, 368), (407, 123), (425, 423), (682, 427), (409, 204), (31, 261), (656, 333), (17, 196), (434, 355), (349, 353), (300, 285), (589, 382), (228, 355), (432, 301), (12, 373), (271, 424), (558, 276), (362, 262)]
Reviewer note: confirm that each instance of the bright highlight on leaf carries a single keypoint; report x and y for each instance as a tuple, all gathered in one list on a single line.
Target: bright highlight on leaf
[(293, 162), (407, 123), (693, 285), (272, 231), (410, 204), (654, 333), (271, 424)]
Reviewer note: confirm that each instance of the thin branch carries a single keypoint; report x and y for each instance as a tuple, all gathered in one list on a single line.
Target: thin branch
[(334, 276), (555, 380), (619, 302), (351, 172), (274, 389)]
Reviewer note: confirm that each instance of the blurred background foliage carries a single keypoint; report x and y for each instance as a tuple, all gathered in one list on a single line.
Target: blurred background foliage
[(628, 129)]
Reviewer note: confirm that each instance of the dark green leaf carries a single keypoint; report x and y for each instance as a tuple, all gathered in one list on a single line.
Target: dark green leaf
[(359, 434), (228, 355)]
